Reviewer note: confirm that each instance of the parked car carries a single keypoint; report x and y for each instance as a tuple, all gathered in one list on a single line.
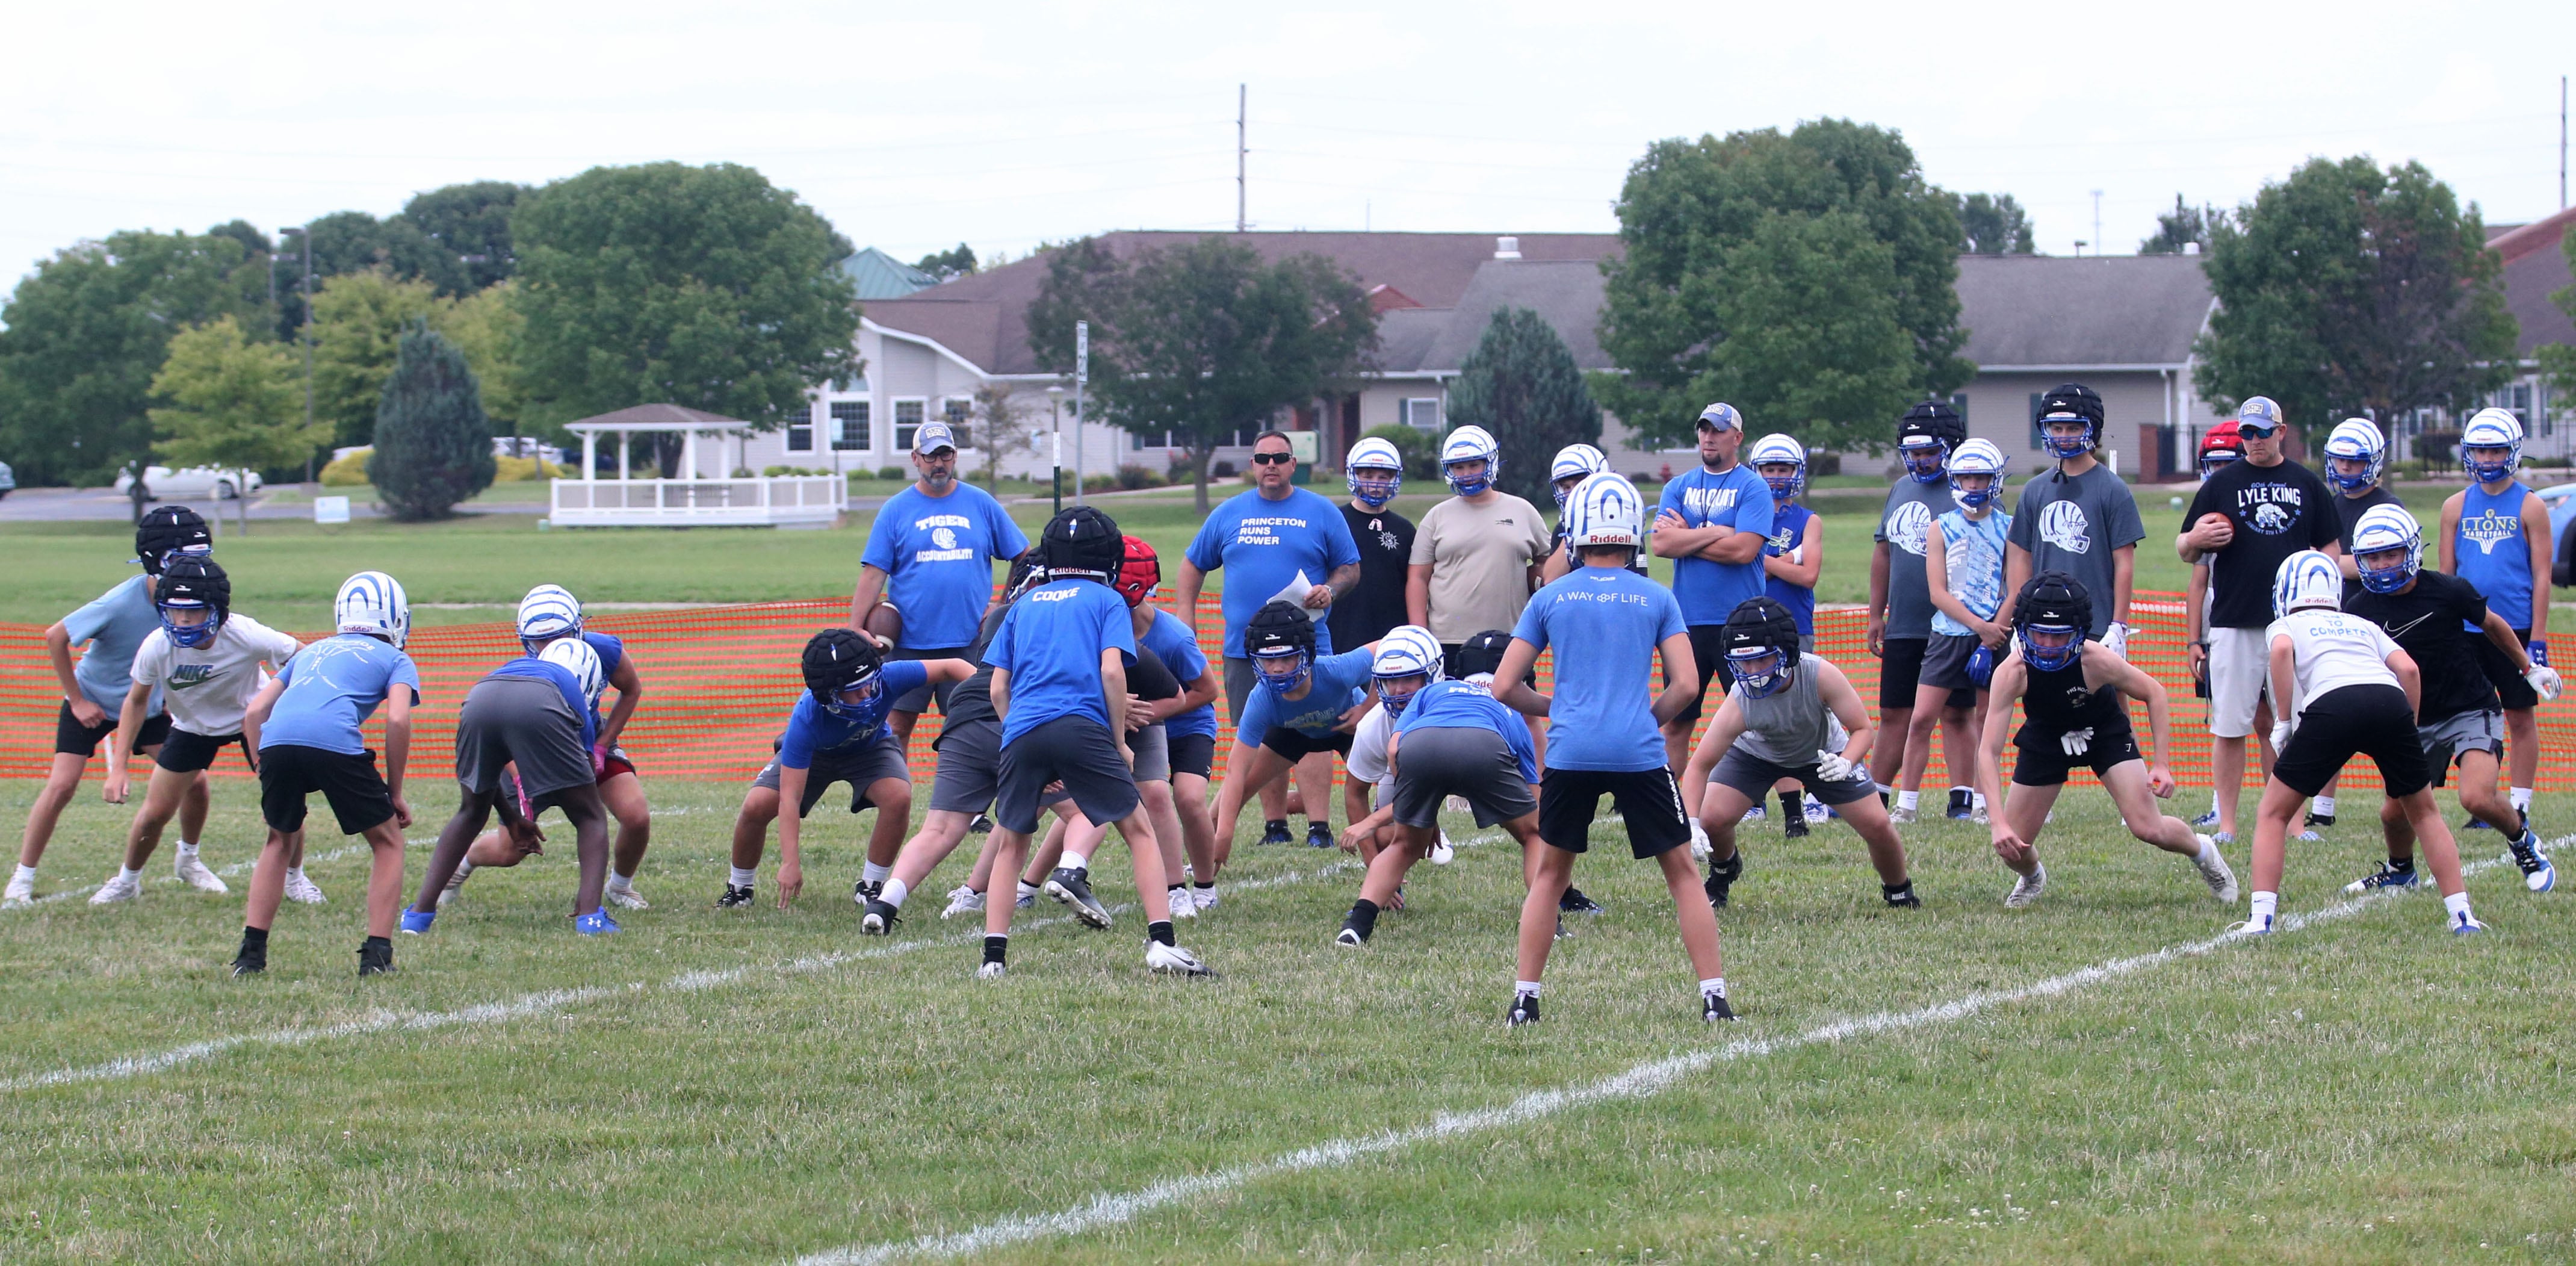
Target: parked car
[(8, 479), (2561, 500), (194, 481)]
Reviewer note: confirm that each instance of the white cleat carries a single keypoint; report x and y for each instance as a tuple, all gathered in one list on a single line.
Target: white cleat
[(624, 897), (1699, 841), (119, 887), (2213, 869), (1901, 815), (991, 971), (1174, 960), (301, 890), (1182, 906), (1978, 816), (963, 900), (2026, 889), (192, 871), (22, 892), (455, 885), (1442, 851), (1203, 898)]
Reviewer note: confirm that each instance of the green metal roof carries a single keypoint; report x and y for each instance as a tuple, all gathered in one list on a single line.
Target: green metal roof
[(882, 276)]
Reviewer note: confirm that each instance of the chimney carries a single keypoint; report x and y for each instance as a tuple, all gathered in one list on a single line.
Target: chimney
[(1507, 248)]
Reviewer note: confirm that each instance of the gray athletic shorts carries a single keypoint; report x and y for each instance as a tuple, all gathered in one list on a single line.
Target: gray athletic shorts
[(1240, 680), (970, 768), (1075, 750), (919, 697), (523, 721), (860, 765), (2446, 740), (1470, 761), (1755, 777)]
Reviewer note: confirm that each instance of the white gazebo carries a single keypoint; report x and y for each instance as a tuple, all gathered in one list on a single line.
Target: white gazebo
[(692, 500)]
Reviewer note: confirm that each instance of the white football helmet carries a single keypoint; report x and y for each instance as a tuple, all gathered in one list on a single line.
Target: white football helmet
[(575, 655), (2383, 528), (2356, 440), (549, 611), (1386, 467), (2307, 579), (1470, 444), (1779, 450), (1977, 457), (373, 603), (2492, 428), (1605, 509), (1574, 461)]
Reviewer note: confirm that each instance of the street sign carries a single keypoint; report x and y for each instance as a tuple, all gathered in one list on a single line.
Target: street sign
[(330, 509)]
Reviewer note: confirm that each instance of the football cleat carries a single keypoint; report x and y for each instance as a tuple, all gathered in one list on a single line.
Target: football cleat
[(2466, 924), (1172, 960), (301, 889), (735, 897), (375, 960), (1442, 851), (1349, 937), (2026, 889), (22, 892), (864, 892), (1901, 816), (1962, 806), (417, 922), (1203, 898), (1274, 831), (991, 971), (2476, 823), (1755, 814), (1980, 817), (1793, 825), (1073, 889), (1818, 811), (1179, 900), (982, 825), (1319, 835), (1574, 902), (2387, 876), (1721, 878), (1903, 898), (624, 896), (2537, 873), (879, 920), (2307, 835), (192, 871), (963, 900), (1713, 1008), (2214, 871), (119, 887), (2222, 838), (2252, 927), (250, 962), (1524, 1011), (2205, 821), (2316, 819), (455, 885), (595, 923)]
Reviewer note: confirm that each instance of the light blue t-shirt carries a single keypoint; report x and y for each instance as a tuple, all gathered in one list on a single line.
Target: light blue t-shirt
[(115, 624), (1464, 705), (1606, 623), (1710, 591), (937, 554), (1340, 681), (1974, 550), (2494, 557), (1050, 644), (812, 728), (1170, 641), (561, 679), (331, 688), (1264, 544)]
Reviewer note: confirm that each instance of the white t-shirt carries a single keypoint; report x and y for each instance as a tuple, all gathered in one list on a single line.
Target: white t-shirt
[(2330, 650), (1367, 761), (210, 687)]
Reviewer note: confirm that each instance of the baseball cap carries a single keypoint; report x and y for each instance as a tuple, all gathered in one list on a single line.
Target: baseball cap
[(932, 437), (2258, 414), (1721, 417)]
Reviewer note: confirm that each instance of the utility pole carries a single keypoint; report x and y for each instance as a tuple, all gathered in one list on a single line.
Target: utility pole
[(1242, 95), (2097, 221), (305, 334), (1081, 378), (2562, 142)]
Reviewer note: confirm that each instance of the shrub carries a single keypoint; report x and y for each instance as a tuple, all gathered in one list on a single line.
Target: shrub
[(522, 469), (1132, 476), (1221, 470), (349, 471), (433, 443), (893, 472), (1421, 451), (1100, 483)]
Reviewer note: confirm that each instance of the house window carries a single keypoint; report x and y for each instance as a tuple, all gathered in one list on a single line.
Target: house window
[(957, 412), (1423, 414), (800, 433), (850, 425), (907, 422)]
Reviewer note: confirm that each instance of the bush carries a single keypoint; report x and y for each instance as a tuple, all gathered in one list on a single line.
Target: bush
[(772, 472), (1100, 483), (433, 442), (1221, 470), (893, 472), (1132, 477), (523, 469), (349, 471), (1421, 451), (1824, 465)]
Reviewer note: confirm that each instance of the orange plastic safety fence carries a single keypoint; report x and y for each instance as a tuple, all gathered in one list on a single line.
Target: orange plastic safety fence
[(719, 682)]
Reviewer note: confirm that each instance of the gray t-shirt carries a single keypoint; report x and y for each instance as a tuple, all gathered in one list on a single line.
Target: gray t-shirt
[(1791, 726), (1911, 507), (2073, 524)]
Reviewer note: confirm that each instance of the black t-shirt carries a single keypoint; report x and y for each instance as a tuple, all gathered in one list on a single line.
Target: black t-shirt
[(972, 699), (2277, 511), (1376, 604), (2058, 701), (2425, 623), (2352, 508)]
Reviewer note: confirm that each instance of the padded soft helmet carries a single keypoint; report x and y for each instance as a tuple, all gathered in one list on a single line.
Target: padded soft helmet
[(1605, 509), (1779, 450), (1081, 543), (1977, 457), (2261, 415), (1384, 465), (1026, 573), (2356, 440), (1925, 436), (193, 582), (1481, 654), (2056, 604), (168, 530), (576, 656), (2221, 445), (2306, 579), (1760, 629), (1470, 444), (2071, 402), (2383, 528), (1573, 462), (1280, 632), (1140, 571), (373, 603), (838, 660), (1401, 655), (547, 613), (2491, 429)]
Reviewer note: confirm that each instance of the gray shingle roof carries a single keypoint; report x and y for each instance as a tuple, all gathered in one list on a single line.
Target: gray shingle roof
[(2098, 310), (2535, 268)]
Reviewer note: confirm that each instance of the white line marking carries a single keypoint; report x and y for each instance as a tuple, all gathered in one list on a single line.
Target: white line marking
[(1638, 1082), (229, 872)]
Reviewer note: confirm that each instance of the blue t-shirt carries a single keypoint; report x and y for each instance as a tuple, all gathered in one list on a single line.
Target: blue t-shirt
[(332, 687), (1788, 529), (1050, 644), (814, 728), (1464, 705), (1606, 623), (561, 679), (937, 554), (2494, 557), (1710, 591), (1170, 641), (1340, 681), (1974, 552), (115, 624), (1267, 543)]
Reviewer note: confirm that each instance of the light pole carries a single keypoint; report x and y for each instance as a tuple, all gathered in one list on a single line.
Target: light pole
[(1081, 377), (304, 235), (1055, 447)]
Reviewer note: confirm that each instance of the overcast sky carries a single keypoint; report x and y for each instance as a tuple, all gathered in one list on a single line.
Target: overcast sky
[(913, 127)]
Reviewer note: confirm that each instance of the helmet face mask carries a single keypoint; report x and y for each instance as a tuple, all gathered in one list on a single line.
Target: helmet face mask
[(1762, 670), (2355, 454), (2049, 647), (1280, 642), (1925, 460), (2052, 617), (193, 597), (1976, 473), (1140, 572), (2491, 445), (2070, 420), (1574, 463), (1760, 638), (841, 668), (2067, 437), (1782, 462), (2387, 548), (1282, 672), (1470, 460)]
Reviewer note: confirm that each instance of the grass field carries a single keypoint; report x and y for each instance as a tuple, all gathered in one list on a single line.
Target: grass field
[(1942, 1084)]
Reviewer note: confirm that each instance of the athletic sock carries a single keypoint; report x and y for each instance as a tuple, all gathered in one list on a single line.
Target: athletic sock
[(464, 868), (895, 891), (129, 876), (2266, 904), (743, 876), (2401, 863), (2457, 904), (1073, 861), (294, 873), (1363, 918), (875, 874), (1713, 987), (996, 946), (2522, 798), (2322, 806), (1159, 932), (1028, 891), (254, 938), (1203, 885), (1528, 987), (1977, 801), (2213, 802), (27, 873), (385, 943), (1909, 799), (616, 880), (1793, 804), (187, 849)]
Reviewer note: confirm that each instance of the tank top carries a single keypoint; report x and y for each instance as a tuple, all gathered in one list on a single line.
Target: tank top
[(2493, 556), (1788, 529), (2057, 701), (1974, 550), (1788, 727)]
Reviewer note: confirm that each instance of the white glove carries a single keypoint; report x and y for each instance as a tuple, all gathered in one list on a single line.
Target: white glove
[(2078, 742), (1834, 767), (2544, 681), (2116, 638), (2280, 736)]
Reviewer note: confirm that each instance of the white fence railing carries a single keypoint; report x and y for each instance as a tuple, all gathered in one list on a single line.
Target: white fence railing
[(701, 502)]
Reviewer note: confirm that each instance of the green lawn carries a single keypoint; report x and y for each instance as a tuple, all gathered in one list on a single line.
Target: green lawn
[(757, 1085)]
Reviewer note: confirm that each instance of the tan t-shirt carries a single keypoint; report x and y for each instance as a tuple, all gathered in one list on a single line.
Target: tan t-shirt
[(1479, 557)]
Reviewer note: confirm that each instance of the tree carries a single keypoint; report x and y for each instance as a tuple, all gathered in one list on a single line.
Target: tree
[(2346, 291), (949, 265), (1521, 384), (433, 444), (1994, 225), (1696, 220), (2180, 227), (1001, 426), (2558, 360), (235, 403), (82, 336), (354, 241), (486, 326), (1203, 340), (358, 324), (471, 223), (698, 286)]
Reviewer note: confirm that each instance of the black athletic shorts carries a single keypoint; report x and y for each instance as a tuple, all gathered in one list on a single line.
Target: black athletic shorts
[(1196, 754), (356, 792), (1708, 648), (1081, 753), (2510, 687), (1900, 672), (2043, 762), (1647, 801), (186, 752), (75, 739), (1296, 745), (2349, 721)]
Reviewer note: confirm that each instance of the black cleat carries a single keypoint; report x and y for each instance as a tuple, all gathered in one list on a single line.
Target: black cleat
[(375, 958), (1319, 835), (1721, 877), (1073, 888), (1275, 831), (1713, 1008), (734, 898), (1901, 897), (1350, 937), (864, 892), (1524, 1011), (1794, 826), (250, 962), (982, 825), (2316, 819), (1574, 902), (879, 920)]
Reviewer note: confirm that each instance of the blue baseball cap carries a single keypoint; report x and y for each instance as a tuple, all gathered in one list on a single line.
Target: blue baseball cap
[(1721, 417), (2258, 414), (932, 437)]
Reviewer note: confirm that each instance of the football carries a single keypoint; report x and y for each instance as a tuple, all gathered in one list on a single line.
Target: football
[(886, 623)]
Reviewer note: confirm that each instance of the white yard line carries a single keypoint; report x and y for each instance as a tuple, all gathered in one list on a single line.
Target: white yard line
[(1638, 1082), (233, 871)]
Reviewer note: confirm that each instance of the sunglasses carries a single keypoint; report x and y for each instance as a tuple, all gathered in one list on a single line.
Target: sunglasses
[(1272, 459)]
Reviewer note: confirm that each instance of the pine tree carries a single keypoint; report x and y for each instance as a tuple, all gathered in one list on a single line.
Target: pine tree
[(433, 444), (1522, 385)]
